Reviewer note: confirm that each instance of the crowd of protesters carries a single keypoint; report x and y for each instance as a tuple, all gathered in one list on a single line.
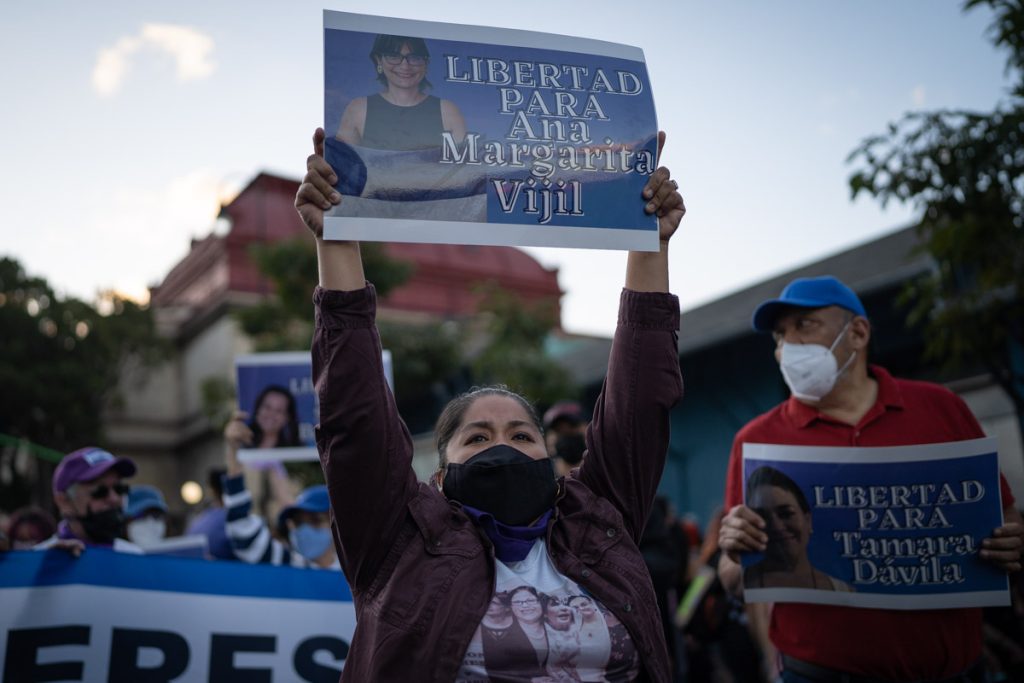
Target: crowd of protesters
[(562, 487), (711, 634), (100, 505)]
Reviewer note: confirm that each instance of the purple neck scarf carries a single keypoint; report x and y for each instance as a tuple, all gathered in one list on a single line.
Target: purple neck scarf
[(511, 543)]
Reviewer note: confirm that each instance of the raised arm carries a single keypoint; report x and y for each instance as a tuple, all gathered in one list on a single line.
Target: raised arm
[(340, 264), (365, 449), (250, 536), (647, 271), (627, 440)]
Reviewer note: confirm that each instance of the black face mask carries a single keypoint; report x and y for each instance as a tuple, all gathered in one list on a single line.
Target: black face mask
[(504, 482), (103, 527)]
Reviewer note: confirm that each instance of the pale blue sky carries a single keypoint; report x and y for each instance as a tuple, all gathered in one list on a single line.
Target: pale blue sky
[(105, 179)]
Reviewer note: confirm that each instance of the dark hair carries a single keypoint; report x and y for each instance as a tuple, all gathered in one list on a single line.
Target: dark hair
[(386, 43), (289, 435), (769, 476), (453, 414), (39, 518)]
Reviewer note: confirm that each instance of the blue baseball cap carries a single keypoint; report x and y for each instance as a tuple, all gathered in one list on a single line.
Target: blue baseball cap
[(807, 292), (142, 499), (313, 499)]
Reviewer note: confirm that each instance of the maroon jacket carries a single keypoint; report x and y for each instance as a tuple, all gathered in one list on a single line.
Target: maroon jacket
[(421, 572)]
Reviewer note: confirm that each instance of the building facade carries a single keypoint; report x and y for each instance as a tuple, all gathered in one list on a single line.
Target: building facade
[(163, 422)]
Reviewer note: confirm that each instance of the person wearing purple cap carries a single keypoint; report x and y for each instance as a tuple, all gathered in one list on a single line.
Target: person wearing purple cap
[(89, 490), (838, 398)]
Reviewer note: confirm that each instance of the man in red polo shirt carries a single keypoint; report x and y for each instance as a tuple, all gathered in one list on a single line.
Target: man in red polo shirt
[(821, 333)]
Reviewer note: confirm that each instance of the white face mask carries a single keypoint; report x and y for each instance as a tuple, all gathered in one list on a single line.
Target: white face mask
[(146, 531), (810, 370)]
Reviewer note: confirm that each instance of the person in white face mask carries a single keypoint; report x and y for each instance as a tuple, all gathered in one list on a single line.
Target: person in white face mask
[(838, 398), (146, 512)]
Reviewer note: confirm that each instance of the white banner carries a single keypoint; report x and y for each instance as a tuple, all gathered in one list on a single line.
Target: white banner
[(113, 617)]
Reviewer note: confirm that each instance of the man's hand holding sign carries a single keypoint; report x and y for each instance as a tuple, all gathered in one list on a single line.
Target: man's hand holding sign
[(1005, 548)]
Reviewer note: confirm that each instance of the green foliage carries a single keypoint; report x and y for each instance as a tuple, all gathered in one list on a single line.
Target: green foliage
[(1007, 32), (514, 352), (305, 473), (284, 321), (423, 356), (218, 400), (964, 171), (428, 357), (61, 358)]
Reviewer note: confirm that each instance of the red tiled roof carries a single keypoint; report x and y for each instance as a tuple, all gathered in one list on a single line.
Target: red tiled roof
[(441, 283)]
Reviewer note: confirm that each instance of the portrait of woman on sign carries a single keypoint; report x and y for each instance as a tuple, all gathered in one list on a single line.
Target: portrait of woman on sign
[(787, 515)]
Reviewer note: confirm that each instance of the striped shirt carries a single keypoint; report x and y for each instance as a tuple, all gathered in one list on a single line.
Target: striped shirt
[(249, 534)]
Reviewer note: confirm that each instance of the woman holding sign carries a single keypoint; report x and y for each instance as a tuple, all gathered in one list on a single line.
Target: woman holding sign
[(424, 560)]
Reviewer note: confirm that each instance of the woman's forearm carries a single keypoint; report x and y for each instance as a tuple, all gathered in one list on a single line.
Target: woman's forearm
[(647, 271), (340, 264)]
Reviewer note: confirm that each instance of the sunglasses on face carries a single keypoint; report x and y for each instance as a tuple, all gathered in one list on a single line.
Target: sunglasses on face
[(103, 491), (395, 58)]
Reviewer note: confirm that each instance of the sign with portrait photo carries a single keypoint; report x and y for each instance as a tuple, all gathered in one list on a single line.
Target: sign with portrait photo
[(277, 392), (894, 527), (461, 134)]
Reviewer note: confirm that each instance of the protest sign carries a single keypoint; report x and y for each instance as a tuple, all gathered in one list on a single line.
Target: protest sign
[(281, 385), (463, 134), (276, 390), (110, 616), (895, 527)]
